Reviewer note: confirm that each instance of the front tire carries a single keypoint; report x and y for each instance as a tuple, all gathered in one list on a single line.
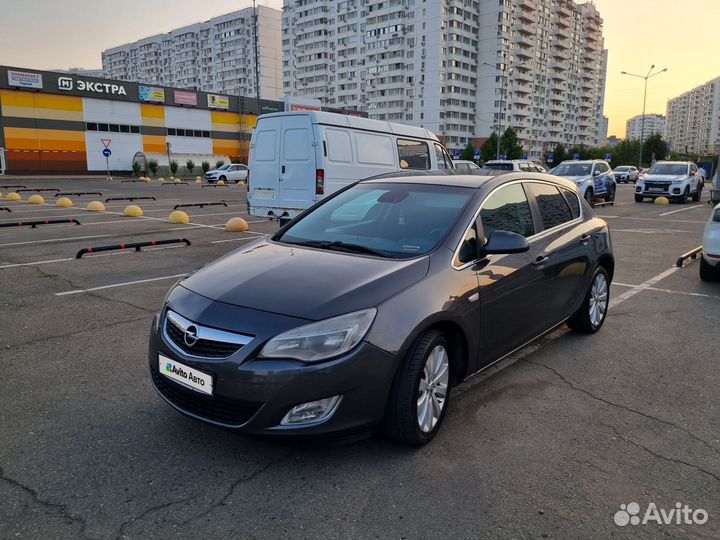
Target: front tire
[(610, 197), (698, 194), (682, 199), (590, 197), (708, 272), (590, 316), (421, 391), (638, 198)]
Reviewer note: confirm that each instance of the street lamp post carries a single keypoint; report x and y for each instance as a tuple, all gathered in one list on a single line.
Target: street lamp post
[(506, 70), (257, 58), (642, 120)]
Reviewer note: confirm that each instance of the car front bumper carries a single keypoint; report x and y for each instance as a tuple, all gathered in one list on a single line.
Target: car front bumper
[(253, 394)]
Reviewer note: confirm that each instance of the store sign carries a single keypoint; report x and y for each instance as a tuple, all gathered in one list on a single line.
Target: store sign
[(218, 102), (81, 85), (24, 79), (151, 93), (185, 98)]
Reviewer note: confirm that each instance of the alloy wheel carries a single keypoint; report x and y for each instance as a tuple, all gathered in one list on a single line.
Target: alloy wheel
[(598, 299), (432, 389)]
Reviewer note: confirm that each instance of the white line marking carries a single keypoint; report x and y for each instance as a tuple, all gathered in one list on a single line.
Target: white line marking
[(650, 231), (230, 240), (36, 263), (54, 240), (683, 209), (125, 284), (643, 286), (670, 291)]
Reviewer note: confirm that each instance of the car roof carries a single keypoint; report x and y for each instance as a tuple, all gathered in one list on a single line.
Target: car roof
[(582, 161), (463, 161), (674, 162), (465, 179), (508, 161)]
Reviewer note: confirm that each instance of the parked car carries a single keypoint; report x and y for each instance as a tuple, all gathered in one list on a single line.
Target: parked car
[(230, 172), (366, 310), (710, 258), (465, 165), (299, 158), (626, 173), (677, 180), (592, 177), (512, 165)]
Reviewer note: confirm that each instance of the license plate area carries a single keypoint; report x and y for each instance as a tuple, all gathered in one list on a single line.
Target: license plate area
[(185, 375), (266, 194)]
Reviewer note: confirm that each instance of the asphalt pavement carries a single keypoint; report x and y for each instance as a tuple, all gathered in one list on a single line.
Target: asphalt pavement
[(547, 444)]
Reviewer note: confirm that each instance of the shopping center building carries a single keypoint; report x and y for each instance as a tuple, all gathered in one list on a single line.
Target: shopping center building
[(53, 122)]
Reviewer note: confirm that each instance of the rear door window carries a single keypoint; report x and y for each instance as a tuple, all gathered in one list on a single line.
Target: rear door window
[(554, 209), (295, 144), (413, 155), (265, 145)]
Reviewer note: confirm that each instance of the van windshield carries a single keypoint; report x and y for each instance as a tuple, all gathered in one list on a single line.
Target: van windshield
[(387, 220)]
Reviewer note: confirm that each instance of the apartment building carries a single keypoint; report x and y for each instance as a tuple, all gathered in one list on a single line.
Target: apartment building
[(213, 56), (639, 129), (461, 68), (693, 120)]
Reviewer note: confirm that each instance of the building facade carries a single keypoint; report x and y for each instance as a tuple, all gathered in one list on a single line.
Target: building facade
[(461, 68), (213, 56), (56, 122), (693, 120), (637, 129)]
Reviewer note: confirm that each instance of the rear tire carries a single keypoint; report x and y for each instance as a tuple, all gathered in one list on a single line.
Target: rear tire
[(590, 197), (698, 194), (590, 316), (708, 272), (404, 421)]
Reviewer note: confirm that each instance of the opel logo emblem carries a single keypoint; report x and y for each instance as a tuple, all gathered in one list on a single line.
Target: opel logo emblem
[(191, 335)]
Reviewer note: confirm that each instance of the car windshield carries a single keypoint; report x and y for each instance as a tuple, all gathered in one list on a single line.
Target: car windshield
[(674, 169), (622, 169), (224, 167), (499, 166), (388, 220), (573, 169)]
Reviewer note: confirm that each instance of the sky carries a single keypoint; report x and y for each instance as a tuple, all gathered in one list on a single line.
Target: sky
[(680, 35)]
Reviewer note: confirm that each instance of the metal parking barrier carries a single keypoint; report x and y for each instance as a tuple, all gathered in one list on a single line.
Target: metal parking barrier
[(137, 246), (12, 187), (78, 193), (38, 190), (174, 184), (129, 199), (34, 224), (692, 254), (214, 185), (200, 205), (5, 208)]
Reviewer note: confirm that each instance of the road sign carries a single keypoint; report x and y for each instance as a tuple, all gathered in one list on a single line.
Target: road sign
[(107, 153), (503, 157), (576, 157), (477, 152), (524, 156), (608, 157), (456, 154), (550, 157), (106, 142)]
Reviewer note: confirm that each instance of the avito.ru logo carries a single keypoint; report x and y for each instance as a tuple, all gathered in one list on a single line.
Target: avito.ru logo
[(629, 514)]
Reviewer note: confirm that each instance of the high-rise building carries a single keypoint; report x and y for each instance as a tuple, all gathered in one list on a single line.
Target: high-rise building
[(213, 56), (461, 68), (654, 124), (693, 120)]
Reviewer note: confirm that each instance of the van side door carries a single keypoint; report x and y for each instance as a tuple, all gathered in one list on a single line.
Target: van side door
[(296, 185)]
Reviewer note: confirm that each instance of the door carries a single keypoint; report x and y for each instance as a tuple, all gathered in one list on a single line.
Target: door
[(602, 179), (296, 186), (511, 286), (265, 162)]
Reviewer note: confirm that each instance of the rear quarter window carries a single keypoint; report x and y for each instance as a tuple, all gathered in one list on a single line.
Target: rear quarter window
[(554, 209), (339, 146)]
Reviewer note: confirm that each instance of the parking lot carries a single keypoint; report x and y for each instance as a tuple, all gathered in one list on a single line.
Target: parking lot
[(547, 444)]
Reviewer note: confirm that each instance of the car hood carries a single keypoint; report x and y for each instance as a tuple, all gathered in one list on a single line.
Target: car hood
[(213, 171), (302, 282), (663, 177)]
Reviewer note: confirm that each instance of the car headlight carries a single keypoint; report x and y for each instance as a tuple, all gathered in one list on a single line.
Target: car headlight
[(321, 340), (678, 181)]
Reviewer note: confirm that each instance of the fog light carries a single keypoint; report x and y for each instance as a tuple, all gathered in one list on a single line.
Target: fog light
[(311, 412)]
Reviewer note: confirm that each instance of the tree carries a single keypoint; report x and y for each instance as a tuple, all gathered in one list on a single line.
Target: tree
[(488, 150), (219, 164), (559, 155), (654, 145), (153, 166), (205, 166), (190, 165), (468, 153), (626, 152), (136, 168), (510, 145), (173, 167)]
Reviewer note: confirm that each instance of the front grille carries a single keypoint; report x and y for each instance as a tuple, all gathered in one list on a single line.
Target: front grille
[(652, 185), (223, 411), (203, 347)]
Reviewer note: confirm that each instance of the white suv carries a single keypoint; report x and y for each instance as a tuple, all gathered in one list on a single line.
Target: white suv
[(676, 180), (593, 178), (509, 165), (710, 257)]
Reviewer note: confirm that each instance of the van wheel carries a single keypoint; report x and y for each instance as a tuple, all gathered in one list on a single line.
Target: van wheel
[(421, 391)]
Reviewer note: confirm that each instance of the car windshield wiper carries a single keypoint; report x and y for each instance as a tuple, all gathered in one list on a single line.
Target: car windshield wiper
[(338, 245)]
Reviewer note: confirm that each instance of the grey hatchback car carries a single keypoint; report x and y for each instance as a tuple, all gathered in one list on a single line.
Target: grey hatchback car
[(365, 311)]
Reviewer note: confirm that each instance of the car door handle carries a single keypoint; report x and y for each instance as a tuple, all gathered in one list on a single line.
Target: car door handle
[(540, 260), (283, 169), (584, 238)]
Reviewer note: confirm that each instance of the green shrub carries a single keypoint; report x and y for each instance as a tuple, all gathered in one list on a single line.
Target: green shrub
[(153, 166), (173, 167), (190, 165), (205, 166), (219, 164), (136, 168)]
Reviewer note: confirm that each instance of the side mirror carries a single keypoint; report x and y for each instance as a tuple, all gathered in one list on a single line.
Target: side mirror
[(468, 251), (692, 173), (596, 173), (505, 242)]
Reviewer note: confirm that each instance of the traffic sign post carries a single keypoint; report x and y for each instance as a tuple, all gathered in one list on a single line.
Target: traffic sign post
[(107, 153), (576, 157), (456, 154), (550, 157), (608, 157), (477, 154)]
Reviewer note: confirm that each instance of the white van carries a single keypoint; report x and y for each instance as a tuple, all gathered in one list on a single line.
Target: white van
[(297, 158)]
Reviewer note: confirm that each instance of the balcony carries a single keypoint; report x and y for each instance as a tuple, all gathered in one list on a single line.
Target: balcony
[(525, 40), (525, 29), (527, 16), (521, 99), (561, 33), (529, 5), (521, 75)]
